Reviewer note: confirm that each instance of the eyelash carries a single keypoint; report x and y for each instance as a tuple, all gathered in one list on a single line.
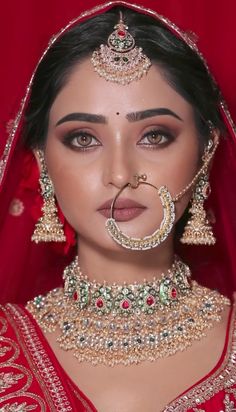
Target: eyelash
[(68, 140), (155, 133)]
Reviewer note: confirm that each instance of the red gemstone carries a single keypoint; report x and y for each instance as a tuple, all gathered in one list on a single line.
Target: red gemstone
[(100, 303), (206, 190), (125, 304), (121, 33), (150, 300), (174, 293), (75, 296)]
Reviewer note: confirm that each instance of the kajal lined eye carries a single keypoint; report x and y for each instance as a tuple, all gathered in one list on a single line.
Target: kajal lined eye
[(155, 138), (80, 140)]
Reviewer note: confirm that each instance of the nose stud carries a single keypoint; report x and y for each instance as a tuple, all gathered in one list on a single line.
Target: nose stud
[(138, 179)]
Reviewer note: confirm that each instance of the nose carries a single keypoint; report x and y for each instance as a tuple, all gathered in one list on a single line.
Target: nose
[(119, 167)]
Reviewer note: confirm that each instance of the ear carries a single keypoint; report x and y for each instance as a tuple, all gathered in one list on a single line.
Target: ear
[(215, 139), (39, 156), (215, 136)]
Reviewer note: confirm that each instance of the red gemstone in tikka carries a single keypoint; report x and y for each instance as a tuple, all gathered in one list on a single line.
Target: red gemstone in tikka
[(121, 33), (99, 303), (125, 304), (75, 296), (150, 300), (174, 293)]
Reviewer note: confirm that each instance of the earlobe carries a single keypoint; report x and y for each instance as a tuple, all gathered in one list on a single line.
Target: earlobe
[(37, 157), (215, 136), (214, 133)]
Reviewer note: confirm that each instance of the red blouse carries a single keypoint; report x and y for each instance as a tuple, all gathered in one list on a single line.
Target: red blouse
[(31, 378)]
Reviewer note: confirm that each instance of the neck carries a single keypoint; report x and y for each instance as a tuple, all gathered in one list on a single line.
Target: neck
[(124, 265)]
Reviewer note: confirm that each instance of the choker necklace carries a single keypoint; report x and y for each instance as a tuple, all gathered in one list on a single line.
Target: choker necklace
[(114, 324)]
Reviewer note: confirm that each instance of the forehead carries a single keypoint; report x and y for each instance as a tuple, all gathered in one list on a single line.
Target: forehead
[(86, 91)]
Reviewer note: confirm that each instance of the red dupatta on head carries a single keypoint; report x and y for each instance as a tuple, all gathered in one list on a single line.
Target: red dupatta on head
[(27, 269)]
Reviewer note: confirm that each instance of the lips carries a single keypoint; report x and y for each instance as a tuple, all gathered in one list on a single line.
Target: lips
[(125, 209)]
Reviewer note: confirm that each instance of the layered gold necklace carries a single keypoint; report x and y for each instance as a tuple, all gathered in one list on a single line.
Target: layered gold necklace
[(129, 323)]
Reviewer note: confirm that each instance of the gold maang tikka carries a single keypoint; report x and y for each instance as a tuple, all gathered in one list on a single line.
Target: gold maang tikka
[(120, 61)]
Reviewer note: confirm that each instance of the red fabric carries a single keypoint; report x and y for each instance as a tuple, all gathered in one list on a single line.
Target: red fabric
[(27, 269), (27, 26), (31, 374), (29, 371)]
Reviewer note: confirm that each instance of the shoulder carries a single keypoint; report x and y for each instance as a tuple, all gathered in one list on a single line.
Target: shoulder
[(12, 335), (28, 378), (217, 389), (17, 381)]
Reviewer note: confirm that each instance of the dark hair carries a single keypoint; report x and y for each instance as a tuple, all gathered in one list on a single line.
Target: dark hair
[(181, 66)]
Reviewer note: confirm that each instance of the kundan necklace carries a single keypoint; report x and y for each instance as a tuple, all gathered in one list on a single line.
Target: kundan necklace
[(128, 323)]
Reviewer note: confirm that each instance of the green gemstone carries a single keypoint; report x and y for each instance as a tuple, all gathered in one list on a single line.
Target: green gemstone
[(163, 293)]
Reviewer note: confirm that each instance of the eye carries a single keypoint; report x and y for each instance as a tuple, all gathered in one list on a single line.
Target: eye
[(80, 140), (155, 138)]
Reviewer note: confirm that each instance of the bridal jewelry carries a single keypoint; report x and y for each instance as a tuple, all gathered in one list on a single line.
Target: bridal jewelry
[(155, 238), (198, 229), (48, 228), (126, 324), (120, 61)]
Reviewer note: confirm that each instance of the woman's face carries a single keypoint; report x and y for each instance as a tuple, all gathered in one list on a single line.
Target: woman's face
[(101, 134)]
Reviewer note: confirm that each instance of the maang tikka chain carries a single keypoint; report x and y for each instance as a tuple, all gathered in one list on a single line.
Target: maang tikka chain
[(120, 61), (48, 228)]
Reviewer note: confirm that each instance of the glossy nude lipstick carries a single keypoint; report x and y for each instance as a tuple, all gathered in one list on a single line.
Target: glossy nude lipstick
[(124, 210)]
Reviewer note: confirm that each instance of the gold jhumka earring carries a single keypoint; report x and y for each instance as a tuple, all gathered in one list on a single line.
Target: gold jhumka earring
[(198, 230), (48, 228), (126, 324)]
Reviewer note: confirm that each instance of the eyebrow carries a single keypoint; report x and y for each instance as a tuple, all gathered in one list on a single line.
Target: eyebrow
[(83, 117), (136, 116), (131, 117)]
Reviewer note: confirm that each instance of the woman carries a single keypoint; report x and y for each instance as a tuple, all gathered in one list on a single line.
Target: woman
[(121, 135)]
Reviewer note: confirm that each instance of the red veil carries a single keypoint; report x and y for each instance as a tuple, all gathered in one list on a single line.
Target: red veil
[(27, 269)]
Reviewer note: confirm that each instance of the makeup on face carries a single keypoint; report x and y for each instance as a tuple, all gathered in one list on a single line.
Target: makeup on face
[(124, 210), (131, 117), (92, 151)]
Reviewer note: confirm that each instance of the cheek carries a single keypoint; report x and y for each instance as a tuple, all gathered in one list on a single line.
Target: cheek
[(178, 168), (75, 186), (79, 188), (186, 169)]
